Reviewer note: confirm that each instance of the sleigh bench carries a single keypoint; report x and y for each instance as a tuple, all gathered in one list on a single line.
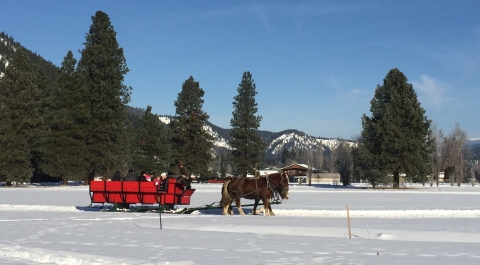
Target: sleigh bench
[(133, 192)]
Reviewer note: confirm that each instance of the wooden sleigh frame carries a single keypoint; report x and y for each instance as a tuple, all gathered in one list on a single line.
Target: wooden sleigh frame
[(133, 192)]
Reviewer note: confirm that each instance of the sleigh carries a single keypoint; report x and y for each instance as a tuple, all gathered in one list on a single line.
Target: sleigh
[(125, 193)]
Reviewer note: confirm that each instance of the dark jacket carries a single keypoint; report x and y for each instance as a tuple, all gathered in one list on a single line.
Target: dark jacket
[(116, 176), (182, 171), (130, 176)]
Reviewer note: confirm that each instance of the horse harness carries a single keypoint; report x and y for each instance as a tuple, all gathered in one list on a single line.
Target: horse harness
[(270, 185), (273, 188)]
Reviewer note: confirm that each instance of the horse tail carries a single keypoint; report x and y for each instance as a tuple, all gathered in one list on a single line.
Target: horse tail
[(226, 198)]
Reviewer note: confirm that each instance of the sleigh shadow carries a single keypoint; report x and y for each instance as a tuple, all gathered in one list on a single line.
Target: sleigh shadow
[(336, 187)]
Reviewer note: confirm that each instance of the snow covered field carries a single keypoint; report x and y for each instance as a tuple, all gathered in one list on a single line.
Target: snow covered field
[(418, 225)]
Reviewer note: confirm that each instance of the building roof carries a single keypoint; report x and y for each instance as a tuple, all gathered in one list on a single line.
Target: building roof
[(297, 166)]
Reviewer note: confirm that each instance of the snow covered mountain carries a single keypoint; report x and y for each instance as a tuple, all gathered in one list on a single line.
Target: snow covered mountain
[(276, 142), (293, 139), (6, 49)]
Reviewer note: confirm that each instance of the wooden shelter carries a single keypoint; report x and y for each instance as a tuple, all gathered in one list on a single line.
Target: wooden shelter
[(296, 170)]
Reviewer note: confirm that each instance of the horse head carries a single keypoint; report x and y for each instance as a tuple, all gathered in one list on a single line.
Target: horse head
[(285, 185), (279, 184)]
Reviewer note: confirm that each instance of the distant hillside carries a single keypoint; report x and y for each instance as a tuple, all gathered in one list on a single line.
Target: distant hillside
[(7, 49), (474, 147), (276, 141)]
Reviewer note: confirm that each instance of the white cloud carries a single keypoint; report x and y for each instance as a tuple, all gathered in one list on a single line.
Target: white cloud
[(432, 91), (332, 81)]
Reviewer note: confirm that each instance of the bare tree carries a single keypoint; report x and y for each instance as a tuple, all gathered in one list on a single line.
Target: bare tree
[(453, 155), (472, 168), (475, 170), (437, 158), (319, 159), (344, 162), (331, 163), (309, 170)]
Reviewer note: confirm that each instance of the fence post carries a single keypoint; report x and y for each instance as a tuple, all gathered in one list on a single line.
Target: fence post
[(348, 219)]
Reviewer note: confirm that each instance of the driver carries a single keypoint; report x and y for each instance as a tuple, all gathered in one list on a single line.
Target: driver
[(182, 174)]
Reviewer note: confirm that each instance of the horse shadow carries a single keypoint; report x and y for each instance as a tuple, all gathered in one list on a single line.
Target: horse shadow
[(218, 211), (333, 186), (213, 211)]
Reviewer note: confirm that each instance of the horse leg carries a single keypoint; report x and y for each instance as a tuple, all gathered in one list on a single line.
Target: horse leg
[(270, 208), (226, 204), (226, 208), (254, 212), (266, 206), (240, 211), (261, 209), (226, 201)]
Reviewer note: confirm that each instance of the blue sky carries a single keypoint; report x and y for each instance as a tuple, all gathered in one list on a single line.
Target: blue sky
[(316, 64)]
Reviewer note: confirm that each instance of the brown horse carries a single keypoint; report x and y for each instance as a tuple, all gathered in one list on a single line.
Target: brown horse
[(263, 188)]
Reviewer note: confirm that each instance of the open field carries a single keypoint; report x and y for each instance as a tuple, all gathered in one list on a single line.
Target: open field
[(418, 225)]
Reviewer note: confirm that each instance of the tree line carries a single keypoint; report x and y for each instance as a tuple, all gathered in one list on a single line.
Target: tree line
[(78, 126)]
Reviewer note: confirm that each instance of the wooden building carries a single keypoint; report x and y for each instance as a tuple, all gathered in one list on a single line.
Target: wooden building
[(301, 170), (296, 170)]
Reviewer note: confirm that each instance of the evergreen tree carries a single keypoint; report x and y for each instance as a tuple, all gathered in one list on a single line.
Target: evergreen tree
[(42, 104), (66, 120), (154, 152), (103, 67), (20, 119), (247, 146), (190, 141), (395, 139)]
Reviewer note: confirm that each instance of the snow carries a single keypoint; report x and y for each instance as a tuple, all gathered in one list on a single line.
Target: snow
[(219, 141), (276, 145), (164, 119), (416, 225), (279, 143)]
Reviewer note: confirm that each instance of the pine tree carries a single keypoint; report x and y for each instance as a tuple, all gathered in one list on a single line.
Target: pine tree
[(395, 139), (247, 146), (40, 133), (190, 141), (20, 119), (103, 67), (154, 152), (66, 120)]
